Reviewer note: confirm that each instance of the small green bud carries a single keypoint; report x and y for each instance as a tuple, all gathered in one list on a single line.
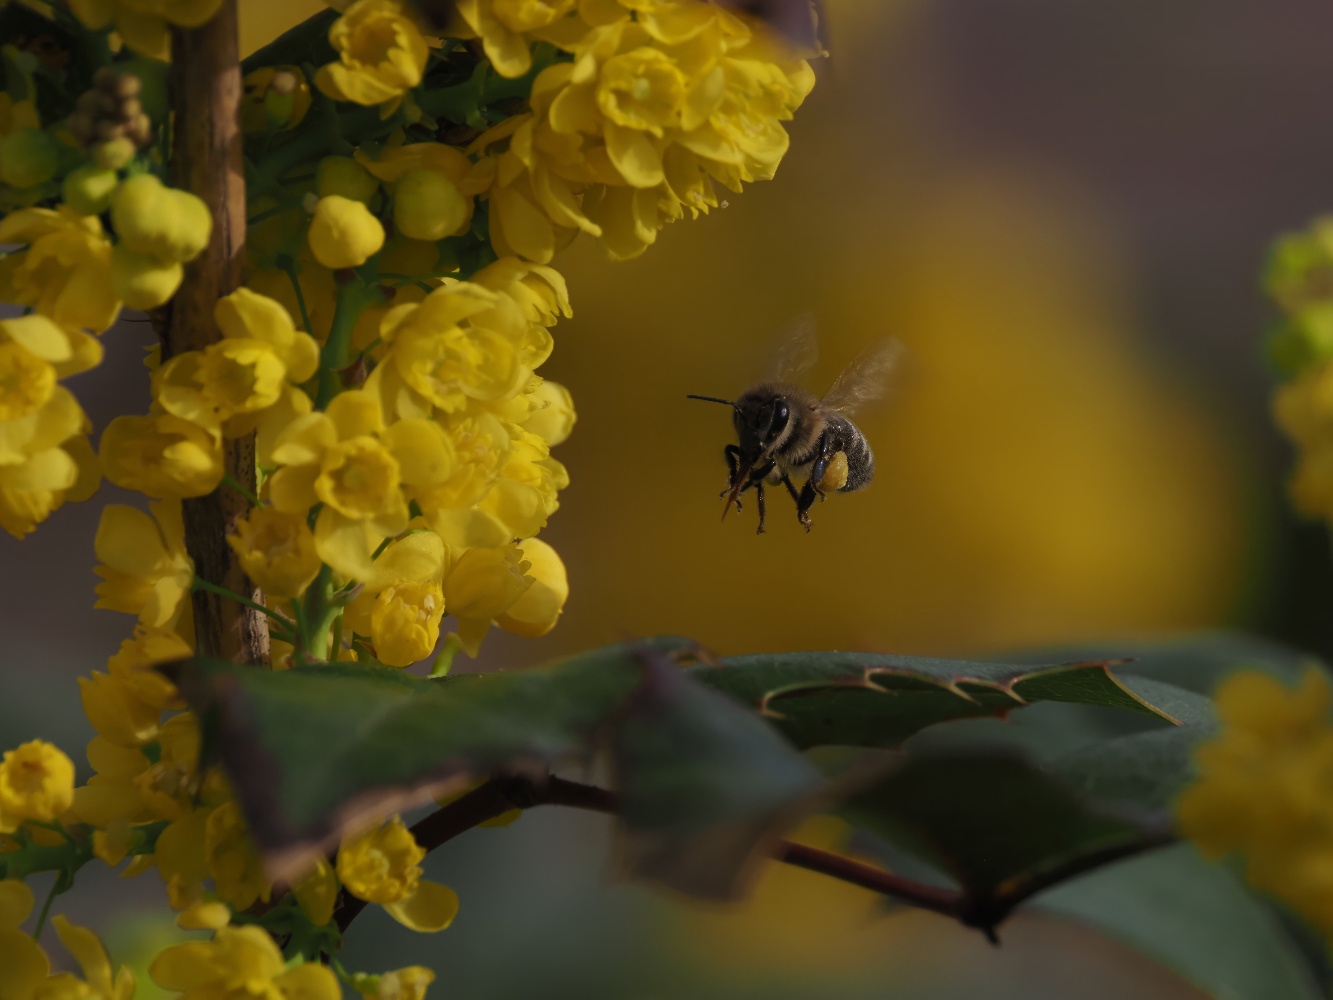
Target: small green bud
[(114, 154), (343, 176), (428, 206), (88, 189), (28, 157)]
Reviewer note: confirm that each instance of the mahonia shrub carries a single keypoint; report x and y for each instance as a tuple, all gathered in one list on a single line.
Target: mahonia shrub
[(376, 370)]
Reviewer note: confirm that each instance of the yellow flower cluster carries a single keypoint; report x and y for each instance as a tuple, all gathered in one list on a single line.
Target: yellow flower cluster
[(653, 103), (1265, 789), (660, 100), (1300, 281), (72, 280)]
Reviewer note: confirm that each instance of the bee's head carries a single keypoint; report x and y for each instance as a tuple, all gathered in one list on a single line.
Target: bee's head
[(763, 420)]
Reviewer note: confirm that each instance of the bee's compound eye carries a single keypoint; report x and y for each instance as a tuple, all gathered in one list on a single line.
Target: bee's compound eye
[(780, 415)]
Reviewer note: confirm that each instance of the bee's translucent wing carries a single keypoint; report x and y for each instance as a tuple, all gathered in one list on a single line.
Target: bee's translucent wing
[(797, 351), (866, 379)]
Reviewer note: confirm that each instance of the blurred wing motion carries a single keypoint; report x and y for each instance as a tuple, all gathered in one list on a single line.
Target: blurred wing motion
[(797, 351), (866, 379)]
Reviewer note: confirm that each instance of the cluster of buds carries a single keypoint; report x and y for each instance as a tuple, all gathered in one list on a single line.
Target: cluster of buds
[(111, 113)]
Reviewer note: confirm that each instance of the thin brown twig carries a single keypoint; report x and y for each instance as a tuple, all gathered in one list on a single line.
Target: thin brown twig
[(982, 911)]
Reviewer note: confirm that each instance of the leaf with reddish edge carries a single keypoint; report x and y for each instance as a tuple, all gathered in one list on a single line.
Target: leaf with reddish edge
[(877, 700)]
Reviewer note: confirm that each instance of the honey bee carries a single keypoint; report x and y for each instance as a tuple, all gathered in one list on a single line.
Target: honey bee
[(785, 430)]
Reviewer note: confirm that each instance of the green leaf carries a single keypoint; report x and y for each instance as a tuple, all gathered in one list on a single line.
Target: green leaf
[(997, 823), (1147, 770), (1196, 918), (706, 782), (874, 700), (314, 750), (707, 786)]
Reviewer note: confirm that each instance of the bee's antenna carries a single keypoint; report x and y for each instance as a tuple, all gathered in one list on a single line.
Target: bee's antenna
[(711, 399)]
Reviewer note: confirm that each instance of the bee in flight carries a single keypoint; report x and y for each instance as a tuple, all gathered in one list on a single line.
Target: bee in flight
[(786, 431)]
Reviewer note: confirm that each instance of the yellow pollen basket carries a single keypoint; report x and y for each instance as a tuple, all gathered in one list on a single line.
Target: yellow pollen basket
[(835, 475)]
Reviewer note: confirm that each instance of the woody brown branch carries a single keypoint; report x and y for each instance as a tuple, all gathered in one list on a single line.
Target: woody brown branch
[(208, 161), (500, 795)]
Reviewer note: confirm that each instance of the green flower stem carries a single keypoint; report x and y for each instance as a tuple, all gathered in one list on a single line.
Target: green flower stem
[(46, 910), (66, 858), (317, 617), (353, 297), (288, 265)]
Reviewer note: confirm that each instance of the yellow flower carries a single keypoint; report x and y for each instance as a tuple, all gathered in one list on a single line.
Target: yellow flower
[(36, 782), (44, 458), (317, 893), (23, 964), (525, 495), (277, 551), (539, 607), (507, 28), (64, 272), (180, 861), (97, 982), (402, 984), (116, 711), (402, 600), (66, 349), (232, 860), (162, 455), (461, 342), (482, 585), (144, 26), (343, 233), (145, 569), (136, 659), (382, 866), (552, 416), (245, 382), (341, 459), (635, 132), (240, 962), (381, 56), (1265, 787)]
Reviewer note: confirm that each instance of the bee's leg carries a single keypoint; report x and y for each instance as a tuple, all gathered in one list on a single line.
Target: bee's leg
[(811, 488), (759, 499), (732, 453), (791, 488)]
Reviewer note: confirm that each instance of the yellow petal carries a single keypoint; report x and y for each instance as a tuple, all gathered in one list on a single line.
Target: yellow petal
[(431, 908), (23, 965), (311, 981), (636, 155), (87, 950), (15, 903), (204, 916)]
